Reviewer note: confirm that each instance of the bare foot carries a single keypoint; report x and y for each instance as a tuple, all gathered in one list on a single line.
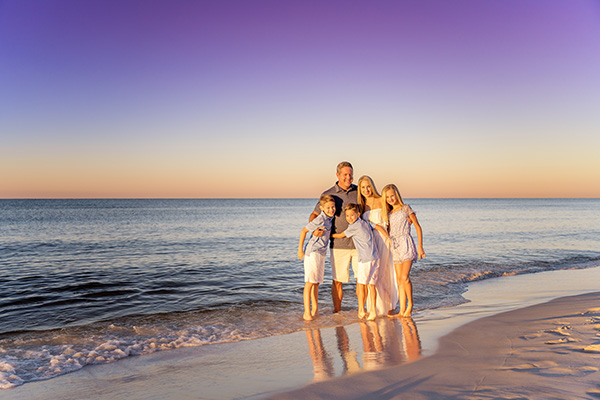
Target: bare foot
[(315, 314), (372, 315), (307, 317), (394, 315), (361, 314)]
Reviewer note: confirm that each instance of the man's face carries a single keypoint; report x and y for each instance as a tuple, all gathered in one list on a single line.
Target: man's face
[(345, 178), (351, 216), (329, 208)]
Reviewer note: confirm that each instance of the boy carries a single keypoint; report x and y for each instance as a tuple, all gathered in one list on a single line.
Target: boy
[(368, 259), (314, 259)]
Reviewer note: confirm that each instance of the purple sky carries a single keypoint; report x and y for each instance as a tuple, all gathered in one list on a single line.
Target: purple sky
[(183, 98)]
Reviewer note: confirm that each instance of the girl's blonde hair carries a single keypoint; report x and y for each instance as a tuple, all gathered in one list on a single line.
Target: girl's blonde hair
[(386, 208), (361, 199)]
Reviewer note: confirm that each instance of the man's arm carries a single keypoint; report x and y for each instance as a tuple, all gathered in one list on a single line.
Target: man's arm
[(317, 232)]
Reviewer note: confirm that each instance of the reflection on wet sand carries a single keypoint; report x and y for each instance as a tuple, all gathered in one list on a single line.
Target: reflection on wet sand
[(322, 362), (373, 354), (412, 343), (381, 343), (349, 358)]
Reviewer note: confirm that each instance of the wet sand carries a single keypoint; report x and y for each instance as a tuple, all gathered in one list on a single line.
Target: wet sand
[(502, 344), (547, 351)]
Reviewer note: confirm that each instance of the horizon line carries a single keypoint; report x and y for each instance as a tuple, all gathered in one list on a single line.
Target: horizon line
[(283, 198)]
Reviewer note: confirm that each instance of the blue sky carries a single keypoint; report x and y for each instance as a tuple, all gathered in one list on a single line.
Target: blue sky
[(263, 98)]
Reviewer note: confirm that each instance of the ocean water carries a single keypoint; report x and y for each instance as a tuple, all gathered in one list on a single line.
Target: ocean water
[(93, 281)]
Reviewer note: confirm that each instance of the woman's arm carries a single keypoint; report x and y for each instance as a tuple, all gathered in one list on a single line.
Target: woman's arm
[(382, 230)]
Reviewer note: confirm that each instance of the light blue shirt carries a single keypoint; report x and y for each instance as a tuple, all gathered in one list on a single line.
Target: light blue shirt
[(319, 244), (362, 235)]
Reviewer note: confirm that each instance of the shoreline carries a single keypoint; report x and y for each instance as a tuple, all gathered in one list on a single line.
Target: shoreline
[(285, 366)]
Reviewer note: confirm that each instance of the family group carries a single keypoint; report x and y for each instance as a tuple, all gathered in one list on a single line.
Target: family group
[(369, 230)]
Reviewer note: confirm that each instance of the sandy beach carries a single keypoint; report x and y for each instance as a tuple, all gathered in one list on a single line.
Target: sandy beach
[(545, 351), (527, 336)]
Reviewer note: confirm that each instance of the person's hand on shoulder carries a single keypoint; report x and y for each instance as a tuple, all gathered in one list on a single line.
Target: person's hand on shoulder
[(319, 232)]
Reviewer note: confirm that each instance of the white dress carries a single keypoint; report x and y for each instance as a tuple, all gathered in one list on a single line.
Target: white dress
[(387, 289)]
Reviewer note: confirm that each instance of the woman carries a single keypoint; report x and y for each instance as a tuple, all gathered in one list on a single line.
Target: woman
[(371, 204)]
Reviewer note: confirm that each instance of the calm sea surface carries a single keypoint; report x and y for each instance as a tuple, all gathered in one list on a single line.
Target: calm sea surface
[(92, 281)]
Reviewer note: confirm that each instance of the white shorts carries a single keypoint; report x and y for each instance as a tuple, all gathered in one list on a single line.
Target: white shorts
[(314, 267), (368, 272), (340, 264)]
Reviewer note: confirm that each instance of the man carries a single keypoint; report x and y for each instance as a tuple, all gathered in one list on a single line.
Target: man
[(342, 250)]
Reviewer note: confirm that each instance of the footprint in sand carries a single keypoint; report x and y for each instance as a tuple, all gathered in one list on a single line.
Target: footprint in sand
[(562, 331), (561, 371), (557, 372), (531, 336), (594, 348), (594, 392), (522, 367), (561, 341)]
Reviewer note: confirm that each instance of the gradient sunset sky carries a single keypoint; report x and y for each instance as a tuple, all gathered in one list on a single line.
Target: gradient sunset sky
[(252, 98)]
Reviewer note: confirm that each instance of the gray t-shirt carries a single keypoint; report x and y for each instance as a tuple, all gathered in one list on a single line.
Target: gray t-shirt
[(342, 198), (362, 235)]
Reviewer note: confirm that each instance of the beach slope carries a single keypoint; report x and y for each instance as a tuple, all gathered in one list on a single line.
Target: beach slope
[(550, 350)]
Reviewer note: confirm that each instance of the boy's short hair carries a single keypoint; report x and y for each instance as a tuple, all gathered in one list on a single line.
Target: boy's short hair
[(352, 206), (326, 198)]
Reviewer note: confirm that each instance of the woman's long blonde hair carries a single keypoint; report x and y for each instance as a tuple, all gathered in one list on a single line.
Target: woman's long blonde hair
[(361, 199), (386, 208)]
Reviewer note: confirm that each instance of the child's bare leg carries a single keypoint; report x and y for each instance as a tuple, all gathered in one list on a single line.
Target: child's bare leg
[(401, 298), (406, 289), (307, 295), (373, 297), (314, 298), (361, 295), (409, 298)]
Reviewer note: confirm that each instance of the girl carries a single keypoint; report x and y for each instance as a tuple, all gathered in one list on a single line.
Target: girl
[(399, 217), (371, 204)]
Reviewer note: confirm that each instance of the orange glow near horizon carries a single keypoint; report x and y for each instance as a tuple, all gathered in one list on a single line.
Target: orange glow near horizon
[(81, 179)]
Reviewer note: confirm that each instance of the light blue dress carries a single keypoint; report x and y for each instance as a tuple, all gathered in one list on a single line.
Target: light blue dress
[(403, 245)]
